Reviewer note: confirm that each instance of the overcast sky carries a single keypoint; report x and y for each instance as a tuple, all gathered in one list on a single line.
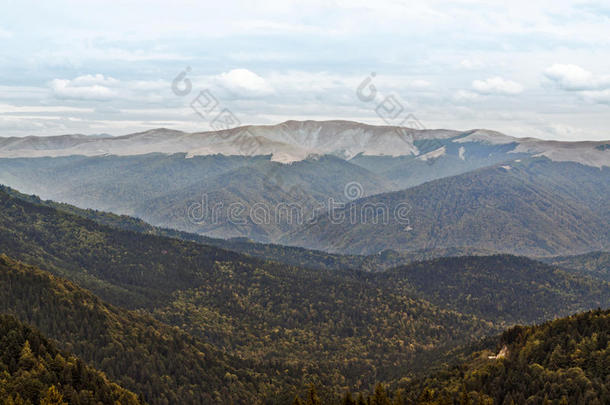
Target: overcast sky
[(526, 68)]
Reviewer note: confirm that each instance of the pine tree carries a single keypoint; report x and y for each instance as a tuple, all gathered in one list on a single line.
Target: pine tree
[(312, 396), (53, 397), (380, 397), (398, 398), (27, 360), (464, 400), (348, 399)]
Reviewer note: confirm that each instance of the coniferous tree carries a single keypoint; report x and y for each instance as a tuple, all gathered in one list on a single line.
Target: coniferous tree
[(312, 396), (348, 399), (53, 397), (380, 396)]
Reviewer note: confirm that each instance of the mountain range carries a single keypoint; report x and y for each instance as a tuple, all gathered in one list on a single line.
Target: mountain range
[(207, 183), (265, 264), (251, 317), (293, 141), (532, 207)]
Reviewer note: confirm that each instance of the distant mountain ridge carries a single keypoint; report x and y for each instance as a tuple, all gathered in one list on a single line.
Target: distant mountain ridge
[(534, 207), (593, 264), (292, 141), (268, 183)]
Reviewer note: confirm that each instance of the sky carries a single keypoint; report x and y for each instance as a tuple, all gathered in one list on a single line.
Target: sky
[(526, 68)]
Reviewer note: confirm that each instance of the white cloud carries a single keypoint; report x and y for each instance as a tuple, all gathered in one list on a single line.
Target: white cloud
[(599, 96), (92, 80), (64, 89), (420, 84), (87, 87), (98, 87), (471, 64), (497, 85), (575, 78), (305, 60), (8, 109), (244, 82), (4, 34), (465, 95), (149, 85)]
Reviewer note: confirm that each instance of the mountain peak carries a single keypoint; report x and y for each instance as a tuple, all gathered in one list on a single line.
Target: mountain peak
[(295, 140)]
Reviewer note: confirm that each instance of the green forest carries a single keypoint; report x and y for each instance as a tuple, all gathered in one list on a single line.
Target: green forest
[(34, 371), (176, 320)]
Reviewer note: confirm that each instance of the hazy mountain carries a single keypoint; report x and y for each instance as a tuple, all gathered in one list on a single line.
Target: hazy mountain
[(440, 158), (533, 207), (287, 142), (162, 188), (291, 255), (296, 140), (593, 264), (261, 200), (516, 207), (501, 287), (174, 179), (113, 183)]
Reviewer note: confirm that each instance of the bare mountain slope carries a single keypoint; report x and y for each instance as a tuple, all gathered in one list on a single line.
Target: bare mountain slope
[(295, 140)]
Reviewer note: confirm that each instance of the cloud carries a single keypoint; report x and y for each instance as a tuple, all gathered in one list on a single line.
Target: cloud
[(243, 82), (575, 78), (465, 95), (12, 109), (87, 87), (599, 96), (471, 64), (97, 87), (307, 60), (4, 34), (420, 84), (497, 85), (91, 80)]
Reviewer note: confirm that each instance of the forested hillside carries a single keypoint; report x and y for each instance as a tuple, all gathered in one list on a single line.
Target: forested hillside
[(190, 215), (292, 255), (159, 187), (33, 371), (123, 267), (503, 288), (216, 293), (269, 328), (532, 207), (163, 364), (565, 361), (594, 264)]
